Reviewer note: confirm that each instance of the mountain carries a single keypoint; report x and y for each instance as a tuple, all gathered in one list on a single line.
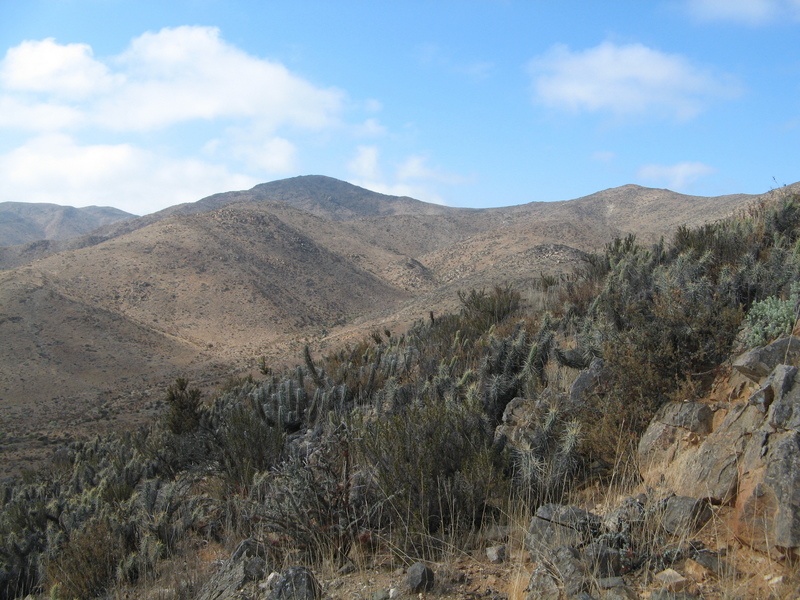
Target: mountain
[(23, 222), (94, 332)]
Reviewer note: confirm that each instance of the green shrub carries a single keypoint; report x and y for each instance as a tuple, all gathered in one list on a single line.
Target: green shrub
[(771, 318)]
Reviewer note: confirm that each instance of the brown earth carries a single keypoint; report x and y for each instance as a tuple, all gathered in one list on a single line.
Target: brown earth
[(93, 333)]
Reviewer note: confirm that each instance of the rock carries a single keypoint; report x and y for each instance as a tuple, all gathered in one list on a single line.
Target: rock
[(703, 467), (621, 592), (784, 413), (295, 583), (713, 562), (605, 583), (671, 580), (496, 554), (696, 571), (571, 570), (244, 565), (683, 515), (496, 533), (419, 578), (628, 515), (767, 510), (542, 585), (587, 382), (556, 525), (394, 593), (668, 595), (601, 560), (381, 595), (759, 362), (762, 398), (775, 387)]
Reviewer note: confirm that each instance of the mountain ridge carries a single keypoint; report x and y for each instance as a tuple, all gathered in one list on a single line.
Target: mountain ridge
[(205, 294)]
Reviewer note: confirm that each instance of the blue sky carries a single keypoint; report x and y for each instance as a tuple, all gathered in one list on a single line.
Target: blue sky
[(141, 105)]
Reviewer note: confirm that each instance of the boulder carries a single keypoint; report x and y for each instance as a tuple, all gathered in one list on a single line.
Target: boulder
[(244, 566), (767, 510), (556, 525), (542, 585), (689, 463), (760, 362), (571, 570), (602, 560), (669, 427), (496, 554), (684, 515), (588, 382), (295, 583), (419, 578)]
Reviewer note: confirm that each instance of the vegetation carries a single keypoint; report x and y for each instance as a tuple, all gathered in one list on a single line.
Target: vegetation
[(392, 442)]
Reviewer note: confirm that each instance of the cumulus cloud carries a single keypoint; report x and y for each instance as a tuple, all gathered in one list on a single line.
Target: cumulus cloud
[(37, 116), (61, 70), (189, 73), (415, 167), (627, 79), (748, 12), (364, 164), (676, 177), (413, 177), (54, 168), (252, 109)]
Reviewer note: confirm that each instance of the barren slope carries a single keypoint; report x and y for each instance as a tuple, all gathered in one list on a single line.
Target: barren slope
[(91, 335)]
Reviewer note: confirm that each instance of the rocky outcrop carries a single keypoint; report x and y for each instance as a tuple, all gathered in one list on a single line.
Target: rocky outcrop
[(245, 565), (745, 453)]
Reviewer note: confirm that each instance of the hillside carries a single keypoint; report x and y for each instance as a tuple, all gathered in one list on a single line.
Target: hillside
[(207, 289), (633, 433), (25, 222)]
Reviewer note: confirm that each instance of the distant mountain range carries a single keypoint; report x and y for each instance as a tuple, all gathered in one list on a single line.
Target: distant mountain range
[(94, 326), (23, 222)]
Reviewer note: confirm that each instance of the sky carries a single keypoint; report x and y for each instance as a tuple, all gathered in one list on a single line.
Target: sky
[(141, 105)]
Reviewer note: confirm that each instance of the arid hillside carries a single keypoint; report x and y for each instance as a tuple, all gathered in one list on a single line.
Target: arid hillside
[(94, 332)]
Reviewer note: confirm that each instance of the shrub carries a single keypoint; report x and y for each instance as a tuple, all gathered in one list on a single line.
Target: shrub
[(770, 318), (86, 565), (183, 414), (433, 466), (482, 309)]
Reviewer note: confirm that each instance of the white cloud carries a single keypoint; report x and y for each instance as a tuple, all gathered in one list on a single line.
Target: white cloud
[(62, 70), (37, 116), (274, 155), (189, 73), (676, 177), (414, 167), (53, 168), (253, 111), (370, 128), (748, 12), (364, 164), (164, 78), (413, 177), (625, 80)]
